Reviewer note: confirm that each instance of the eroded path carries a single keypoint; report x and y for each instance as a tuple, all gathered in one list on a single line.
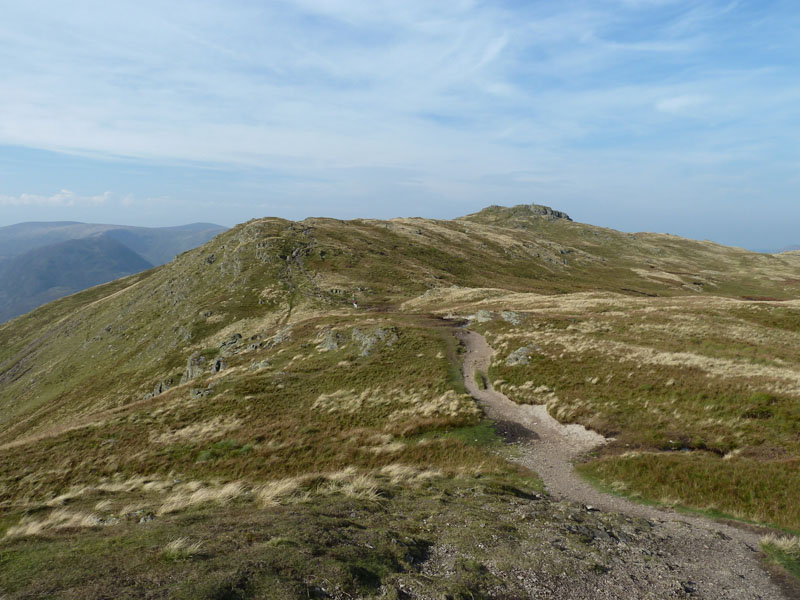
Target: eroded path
[(723, 562)]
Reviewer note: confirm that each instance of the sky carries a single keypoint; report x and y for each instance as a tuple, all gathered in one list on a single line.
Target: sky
[(642, 115)]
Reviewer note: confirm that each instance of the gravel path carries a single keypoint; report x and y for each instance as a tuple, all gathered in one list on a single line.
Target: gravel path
[(722, 561)]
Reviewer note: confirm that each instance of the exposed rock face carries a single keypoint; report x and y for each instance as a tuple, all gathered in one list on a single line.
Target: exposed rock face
[(482, 316), (329, 340), (231, 345), (511, 317), (194, 367), (280, 337), (368, 340), (519, 356), (160, 388), (518, 216), (549, 213)]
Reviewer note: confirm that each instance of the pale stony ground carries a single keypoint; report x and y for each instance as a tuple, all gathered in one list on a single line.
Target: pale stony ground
[(721, 560)]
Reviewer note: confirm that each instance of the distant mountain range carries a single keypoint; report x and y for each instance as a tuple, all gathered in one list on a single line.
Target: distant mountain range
[(43, 261)]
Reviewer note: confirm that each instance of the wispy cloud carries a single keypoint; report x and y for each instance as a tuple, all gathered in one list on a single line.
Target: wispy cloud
[(324, 92), (679, 104), (63, 198), (317, 83)]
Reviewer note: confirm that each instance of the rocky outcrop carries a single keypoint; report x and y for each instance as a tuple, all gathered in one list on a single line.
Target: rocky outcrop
[(260, 364), (547, 212), (520, 356), (517, 216), (231, 345), (482, 316), (329, 340), (195, 366), (369, 339), (283, 335), (160, 388)]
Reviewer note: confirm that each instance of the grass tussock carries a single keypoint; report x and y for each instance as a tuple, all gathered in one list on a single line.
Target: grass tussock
[(181, 549), (784, 550), (403, 404), (349, 482), (206, 430), (194, 493), (54, 521), (112, 486), (787, 544)]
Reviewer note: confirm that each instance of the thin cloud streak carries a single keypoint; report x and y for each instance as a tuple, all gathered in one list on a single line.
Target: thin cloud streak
[(321, 93), (61, 198)]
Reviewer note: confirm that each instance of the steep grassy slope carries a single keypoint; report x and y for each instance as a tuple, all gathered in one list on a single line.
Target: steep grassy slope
[(236, 389)]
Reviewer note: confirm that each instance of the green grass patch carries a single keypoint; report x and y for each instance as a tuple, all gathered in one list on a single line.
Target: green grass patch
[(761, 491), (784, 551), (483, 434), (481, 379), (224, 449)]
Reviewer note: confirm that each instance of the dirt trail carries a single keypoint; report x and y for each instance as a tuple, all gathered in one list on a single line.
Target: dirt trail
[(724, 561)]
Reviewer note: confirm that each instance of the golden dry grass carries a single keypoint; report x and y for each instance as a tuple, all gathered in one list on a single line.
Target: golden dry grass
[(194, 493), (181, 549), (55, 520), (207, 430), (163, 498), (784, 543), (401, 404), (349, 482)]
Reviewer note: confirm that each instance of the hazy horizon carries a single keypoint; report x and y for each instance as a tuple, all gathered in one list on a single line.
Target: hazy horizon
[(177, 224)]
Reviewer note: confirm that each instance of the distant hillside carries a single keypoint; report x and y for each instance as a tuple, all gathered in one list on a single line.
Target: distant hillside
[(161, 245), (43, 261), (157, 245), (45, 274)]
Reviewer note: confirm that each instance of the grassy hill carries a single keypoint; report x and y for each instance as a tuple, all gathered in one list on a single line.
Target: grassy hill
[(234, 396), (44, 274), (157, 245), (40, 262)]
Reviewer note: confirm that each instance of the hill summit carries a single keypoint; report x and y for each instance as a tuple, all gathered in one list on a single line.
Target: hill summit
[(516, 215)]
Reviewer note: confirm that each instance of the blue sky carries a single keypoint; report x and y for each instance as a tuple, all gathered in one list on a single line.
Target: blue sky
[(657, 115)]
